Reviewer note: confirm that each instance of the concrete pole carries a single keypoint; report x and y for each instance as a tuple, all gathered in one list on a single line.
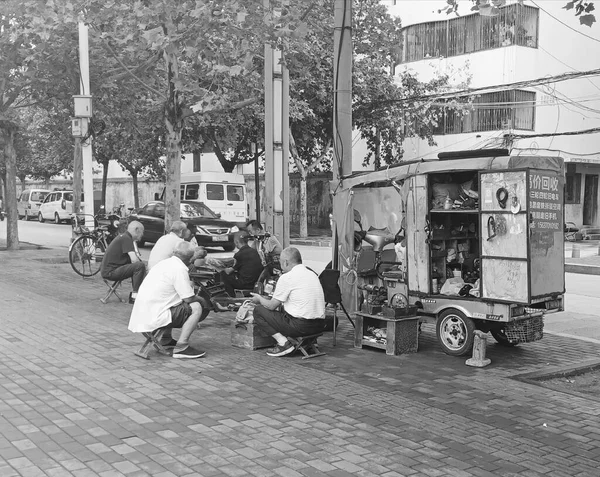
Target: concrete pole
[(342, 116), (276, 142), (86, 147)]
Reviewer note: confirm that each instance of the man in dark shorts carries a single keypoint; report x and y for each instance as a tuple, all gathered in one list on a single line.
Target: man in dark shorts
[(122, 259), (166, 299), (247, 266), (297, 307)]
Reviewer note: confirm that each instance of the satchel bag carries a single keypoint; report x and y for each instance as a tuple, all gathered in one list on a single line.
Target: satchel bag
[(245, 312)]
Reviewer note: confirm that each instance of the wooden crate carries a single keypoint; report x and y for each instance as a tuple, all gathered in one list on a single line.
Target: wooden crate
[(245, 335), (402, 333)]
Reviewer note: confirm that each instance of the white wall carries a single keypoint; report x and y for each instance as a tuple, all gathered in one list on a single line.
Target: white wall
[(562, 48)]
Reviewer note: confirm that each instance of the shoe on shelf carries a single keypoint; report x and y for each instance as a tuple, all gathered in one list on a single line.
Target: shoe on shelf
[(169, 344), (281, 350), (188, 353)]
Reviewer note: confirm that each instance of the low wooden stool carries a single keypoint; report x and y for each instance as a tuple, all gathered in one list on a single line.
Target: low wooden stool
[(112, 290), (307, 345), (152, 340)]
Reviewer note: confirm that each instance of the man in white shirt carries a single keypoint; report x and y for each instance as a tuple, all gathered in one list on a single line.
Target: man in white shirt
[(300, 295), (165, 245), (166, 299)]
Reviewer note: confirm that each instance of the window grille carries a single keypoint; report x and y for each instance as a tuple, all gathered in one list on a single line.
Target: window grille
[(501, 110), (515, 25)]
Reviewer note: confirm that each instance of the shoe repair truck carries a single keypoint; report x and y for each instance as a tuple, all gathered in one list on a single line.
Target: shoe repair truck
[(479, 243)]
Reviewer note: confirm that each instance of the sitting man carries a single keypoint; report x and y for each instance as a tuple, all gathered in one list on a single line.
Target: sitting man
[(247, 266), (123, 260), (300, 295), (167, 299), (268, 247), (164, 246)]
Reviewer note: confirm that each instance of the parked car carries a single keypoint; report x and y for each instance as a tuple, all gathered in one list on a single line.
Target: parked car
[(58, 206), (207, 227), (28, 203)]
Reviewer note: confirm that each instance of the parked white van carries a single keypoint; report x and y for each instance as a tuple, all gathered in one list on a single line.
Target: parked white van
[(28, 203), (223, 193)]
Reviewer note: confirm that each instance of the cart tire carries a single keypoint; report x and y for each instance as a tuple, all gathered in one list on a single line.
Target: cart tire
[(455, 332), (40, 217), (206, 308), (500, 337)]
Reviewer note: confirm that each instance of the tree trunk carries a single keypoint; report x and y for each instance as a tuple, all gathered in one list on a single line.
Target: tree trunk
[(174, 125), (303, 208), (12, 218), (104, 180), (22, 179), (136, 193)]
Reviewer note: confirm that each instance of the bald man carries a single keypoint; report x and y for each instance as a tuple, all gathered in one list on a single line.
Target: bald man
[(167, 300), (122, 259), (165, 245)]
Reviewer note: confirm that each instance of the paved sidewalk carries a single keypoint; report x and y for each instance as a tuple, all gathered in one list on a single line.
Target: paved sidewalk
[(75, 401)]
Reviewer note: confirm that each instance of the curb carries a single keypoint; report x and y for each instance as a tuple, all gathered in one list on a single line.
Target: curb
[(582, 269), (311, 243)]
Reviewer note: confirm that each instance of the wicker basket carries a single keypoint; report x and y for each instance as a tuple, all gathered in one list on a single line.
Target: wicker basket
[(525, 331)]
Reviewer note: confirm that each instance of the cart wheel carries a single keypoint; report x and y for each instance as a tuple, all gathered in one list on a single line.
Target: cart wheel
[(500, 337), (455, 332)]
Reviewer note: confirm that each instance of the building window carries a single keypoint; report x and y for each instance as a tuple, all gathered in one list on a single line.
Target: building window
[(498, 111), (573, 189), (516, 25)]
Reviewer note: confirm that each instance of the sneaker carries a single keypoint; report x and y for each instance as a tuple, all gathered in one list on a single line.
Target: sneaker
[(169, 344), (281, 350), (188, 353), (131, 300)]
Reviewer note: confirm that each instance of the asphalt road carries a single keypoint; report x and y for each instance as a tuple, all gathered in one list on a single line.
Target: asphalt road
[(582, 300)]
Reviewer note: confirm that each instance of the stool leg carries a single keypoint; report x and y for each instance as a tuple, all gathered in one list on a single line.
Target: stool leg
[(334, 324)]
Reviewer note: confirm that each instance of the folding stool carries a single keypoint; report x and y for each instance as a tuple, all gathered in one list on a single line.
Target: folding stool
[(112, 290), (152, 340), (307, 345)]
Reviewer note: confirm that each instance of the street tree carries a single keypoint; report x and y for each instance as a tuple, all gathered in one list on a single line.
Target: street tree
[(199, 45), (34, 39)]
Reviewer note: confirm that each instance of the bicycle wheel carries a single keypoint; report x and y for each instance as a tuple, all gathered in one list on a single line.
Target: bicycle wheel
[(85, 255)]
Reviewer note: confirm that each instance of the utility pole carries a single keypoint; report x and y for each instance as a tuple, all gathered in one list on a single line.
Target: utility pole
[(277, 147), (86, 146), (342, 124)]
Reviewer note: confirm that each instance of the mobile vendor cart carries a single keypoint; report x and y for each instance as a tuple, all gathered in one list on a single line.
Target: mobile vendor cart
[(476, 237)]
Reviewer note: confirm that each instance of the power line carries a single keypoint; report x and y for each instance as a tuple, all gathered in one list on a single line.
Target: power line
[(566, 133), (561, 151), (485, 89), (563, 23)]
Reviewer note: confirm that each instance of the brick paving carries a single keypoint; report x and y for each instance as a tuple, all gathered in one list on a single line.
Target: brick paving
[(76, 401)]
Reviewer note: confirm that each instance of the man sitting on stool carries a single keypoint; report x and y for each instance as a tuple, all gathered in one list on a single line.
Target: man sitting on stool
[(122, 259), (300, 294), (247, 266), (167, 299)]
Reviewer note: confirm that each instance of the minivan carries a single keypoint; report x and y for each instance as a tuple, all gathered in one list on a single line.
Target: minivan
[(57, 206), (28, 203), (222, 192)]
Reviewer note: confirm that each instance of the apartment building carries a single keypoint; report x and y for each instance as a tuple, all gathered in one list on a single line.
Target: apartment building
[(529, 63)]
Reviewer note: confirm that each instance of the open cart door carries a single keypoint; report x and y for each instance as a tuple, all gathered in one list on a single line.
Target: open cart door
[(546, 241), (505, 273)]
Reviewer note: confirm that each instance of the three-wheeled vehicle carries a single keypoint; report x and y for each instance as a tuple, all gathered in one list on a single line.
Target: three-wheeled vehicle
[(478, 237)]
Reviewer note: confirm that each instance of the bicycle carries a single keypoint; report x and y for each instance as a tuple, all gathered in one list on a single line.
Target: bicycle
[(87, 250)]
